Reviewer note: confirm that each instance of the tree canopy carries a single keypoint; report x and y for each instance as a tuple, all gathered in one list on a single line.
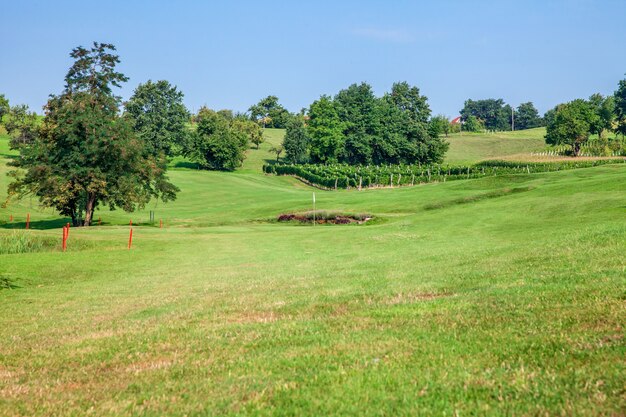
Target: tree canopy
[(85, 154), (356, 127), (527, 116), (571, 125), (493, 113), (619, 100), (268, 112), (159, 117)]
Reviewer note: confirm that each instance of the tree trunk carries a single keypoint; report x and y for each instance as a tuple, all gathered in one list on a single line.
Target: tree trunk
[(91, 203), (576, 148)]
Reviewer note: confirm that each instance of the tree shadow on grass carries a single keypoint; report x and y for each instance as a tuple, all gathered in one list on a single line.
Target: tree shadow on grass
[(187, 164), (36, 224), (6, 283)]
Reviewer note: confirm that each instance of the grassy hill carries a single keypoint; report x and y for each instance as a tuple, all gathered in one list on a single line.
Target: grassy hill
[(494, 303)]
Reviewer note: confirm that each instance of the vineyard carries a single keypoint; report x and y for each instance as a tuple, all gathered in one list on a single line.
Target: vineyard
[(336, 176)]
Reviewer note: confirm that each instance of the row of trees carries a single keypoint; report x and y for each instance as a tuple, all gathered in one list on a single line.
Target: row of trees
[(494, 115), (356, 127), (574, 122), (90, 149)]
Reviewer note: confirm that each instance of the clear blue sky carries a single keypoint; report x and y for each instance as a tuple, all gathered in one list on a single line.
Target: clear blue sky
[(229, 54)]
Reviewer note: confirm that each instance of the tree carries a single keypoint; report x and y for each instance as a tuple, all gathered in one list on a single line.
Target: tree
[(277, 150), (493, 113), (216, 144), (620, 108), (85, 153), (439, 125), (472, 124), (325, 130), (527, 116), (21, 125), (269, 113), (159, 117), (4, 106), (604, 113), (251, 129), (296, 142), (571, 125)]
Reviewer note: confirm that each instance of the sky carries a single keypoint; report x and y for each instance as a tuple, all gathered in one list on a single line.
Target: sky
[(230, 54)]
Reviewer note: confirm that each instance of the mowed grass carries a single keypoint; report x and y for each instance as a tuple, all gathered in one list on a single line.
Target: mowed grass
[(462, 298), (468, 148)]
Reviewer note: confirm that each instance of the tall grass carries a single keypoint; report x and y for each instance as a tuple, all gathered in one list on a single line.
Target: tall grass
[(25, 242)]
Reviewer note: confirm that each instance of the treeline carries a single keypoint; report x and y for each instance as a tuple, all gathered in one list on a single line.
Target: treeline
[(573, 123), (356, 127), (495, 115)]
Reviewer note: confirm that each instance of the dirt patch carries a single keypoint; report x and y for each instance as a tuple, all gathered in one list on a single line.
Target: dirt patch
[(410, 298)]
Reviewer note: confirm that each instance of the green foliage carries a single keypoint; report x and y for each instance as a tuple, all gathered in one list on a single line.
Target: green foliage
[(571, 125), (4, 106), (25, 242), (22, 125), (473, 124), (439, 125), (620, 107), (493, 113), (159, 117), (527, 116), (85, 153), (603, 114), (296, 141), (269, 113), (325, 130), (356, 127), (218, 143)]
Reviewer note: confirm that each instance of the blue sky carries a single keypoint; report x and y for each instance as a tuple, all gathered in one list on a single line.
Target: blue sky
[(229, 54)]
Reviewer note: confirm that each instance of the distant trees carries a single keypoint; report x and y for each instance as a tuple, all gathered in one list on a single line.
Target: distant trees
[(85, 153), (439, 125), (268, 112), (527, 116), (22, 126), (473, 124), (4, 106), (356, 127), (571, 125), (159, 117), (494, 114), (620, 108)]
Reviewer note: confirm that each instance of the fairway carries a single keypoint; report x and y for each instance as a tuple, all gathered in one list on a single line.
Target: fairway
[(493, 296)]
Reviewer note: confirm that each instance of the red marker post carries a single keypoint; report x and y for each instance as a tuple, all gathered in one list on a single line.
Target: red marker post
[(68, 229), (130, 238), (28, 221), (11, 218), (65, 235), (161, 224)]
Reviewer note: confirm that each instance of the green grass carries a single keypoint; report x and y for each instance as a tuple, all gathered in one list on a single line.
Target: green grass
[(468, 148), (496, 296)]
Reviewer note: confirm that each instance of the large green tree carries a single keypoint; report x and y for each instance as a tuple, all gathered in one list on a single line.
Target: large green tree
[(620, 107), (325, 130), (217, 143), (159, 117), (22, 126), (493, 113), (85, 153), (296, 141), (527, 116), (571, 125)]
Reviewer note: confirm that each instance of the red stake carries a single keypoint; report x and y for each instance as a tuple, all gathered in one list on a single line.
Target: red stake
[(65, 232), (161, 224), (11, 218), (130, 238), (28, 221), (68, 229), (99, 221), (131, 222)]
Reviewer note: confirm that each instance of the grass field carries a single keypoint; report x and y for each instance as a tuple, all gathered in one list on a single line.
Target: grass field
[(456, 300)]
